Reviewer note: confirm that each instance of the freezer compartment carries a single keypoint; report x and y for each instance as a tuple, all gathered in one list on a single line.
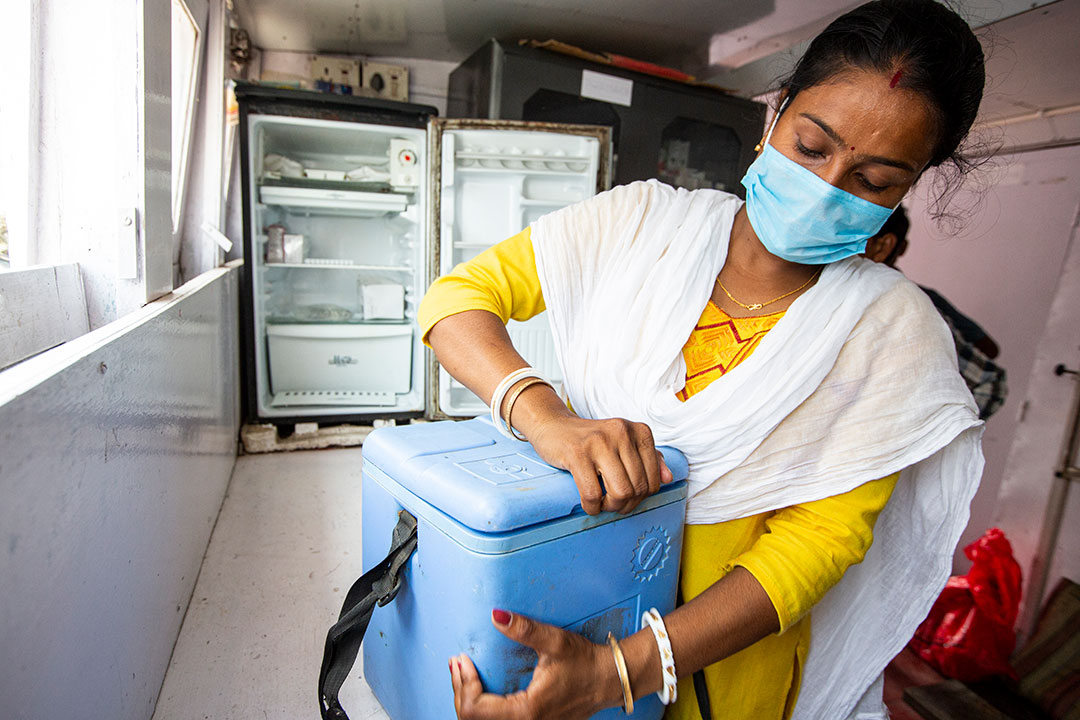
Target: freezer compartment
[(300, 151), (338, 358)]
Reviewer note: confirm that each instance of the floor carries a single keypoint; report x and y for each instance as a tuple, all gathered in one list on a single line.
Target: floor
[(906, 670), (285, 550)]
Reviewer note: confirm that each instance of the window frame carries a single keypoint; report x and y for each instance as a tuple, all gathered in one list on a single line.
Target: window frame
[(179, 173), (125, 253)]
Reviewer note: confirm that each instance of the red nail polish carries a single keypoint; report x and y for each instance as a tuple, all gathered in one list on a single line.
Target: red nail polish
[(501, 616)]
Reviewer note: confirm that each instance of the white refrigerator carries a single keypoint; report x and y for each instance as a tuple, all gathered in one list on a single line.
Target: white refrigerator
[(351, 208)]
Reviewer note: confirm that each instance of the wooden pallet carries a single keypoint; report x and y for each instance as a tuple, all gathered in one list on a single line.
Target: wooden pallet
[(265, 438), (950, 700)]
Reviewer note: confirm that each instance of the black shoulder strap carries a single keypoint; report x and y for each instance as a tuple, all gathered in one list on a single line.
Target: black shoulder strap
[(702, 692), (701, 689), (378, 585)]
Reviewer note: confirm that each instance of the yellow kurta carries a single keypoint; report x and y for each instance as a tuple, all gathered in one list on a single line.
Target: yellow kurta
[(796, 553)]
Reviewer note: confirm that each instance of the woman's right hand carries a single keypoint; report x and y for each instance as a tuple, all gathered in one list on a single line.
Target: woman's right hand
[(618, 453), (475, 348)]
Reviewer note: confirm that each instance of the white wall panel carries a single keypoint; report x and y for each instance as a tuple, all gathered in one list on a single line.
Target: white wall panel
[(115, 452), (1002, 269), (1022, 508)]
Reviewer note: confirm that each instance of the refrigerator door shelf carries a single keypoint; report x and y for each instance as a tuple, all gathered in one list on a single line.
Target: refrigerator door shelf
[(533, 162), (550, 168), (496, 177), (334, 202), (554, 204)]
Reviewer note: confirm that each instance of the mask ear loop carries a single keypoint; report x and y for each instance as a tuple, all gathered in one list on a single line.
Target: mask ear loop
[(772, 126)]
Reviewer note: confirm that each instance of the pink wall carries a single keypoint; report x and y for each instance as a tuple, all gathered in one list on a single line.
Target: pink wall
[(1002, 269)]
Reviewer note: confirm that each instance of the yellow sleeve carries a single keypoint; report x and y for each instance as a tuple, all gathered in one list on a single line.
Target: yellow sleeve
[(501, 280), (807, 548)]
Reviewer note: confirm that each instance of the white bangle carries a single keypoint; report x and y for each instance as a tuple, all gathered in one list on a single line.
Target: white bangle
[(654, 622), (500, 394)]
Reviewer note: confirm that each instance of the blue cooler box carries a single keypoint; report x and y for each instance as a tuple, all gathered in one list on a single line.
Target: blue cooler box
[(499, 528)]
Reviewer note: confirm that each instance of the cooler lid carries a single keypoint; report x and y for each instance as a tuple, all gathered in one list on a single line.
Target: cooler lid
[(480, 478)]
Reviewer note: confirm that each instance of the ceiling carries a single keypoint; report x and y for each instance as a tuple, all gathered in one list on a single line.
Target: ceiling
[(741, 44), (452, 29)]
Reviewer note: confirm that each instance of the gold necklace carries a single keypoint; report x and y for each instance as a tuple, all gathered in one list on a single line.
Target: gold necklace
[(758, 306)]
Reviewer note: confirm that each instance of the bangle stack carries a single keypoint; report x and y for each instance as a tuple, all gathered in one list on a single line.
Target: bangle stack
[(654, 622), (500, 395), (624, 676)]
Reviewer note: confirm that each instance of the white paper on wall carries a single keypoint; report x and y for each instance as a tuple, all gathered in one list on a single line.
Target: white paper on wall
[(608, 88)]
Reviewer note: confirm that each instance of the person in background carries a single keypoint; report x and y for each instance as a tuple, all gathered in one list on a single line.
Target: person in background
[(975, 349)]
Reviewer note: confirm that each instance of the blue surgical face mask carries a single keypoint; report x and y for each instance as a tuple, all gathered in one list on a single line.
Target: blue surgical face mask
[(800, 217)]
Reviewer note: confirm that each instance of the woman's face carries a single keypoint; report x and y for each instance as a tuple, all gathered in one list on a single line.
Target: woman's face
[(859, 134)]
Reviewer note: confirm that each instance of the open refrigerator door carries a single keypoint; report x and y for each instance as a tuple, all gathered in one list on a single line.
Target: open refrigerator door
[(494, 178), (338, 262)]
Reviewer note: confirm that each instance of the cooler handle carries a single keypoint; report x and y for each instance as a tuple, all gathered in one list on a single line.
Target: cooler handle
[(378, 585)]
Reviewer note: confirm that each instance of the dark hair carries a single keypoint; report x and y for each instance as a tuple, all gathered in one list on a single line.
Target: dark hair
[(897, 224), (923, 45)]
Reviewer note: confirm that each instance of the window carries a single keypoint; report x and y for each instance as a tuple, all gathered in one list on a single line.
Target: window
[(97, 150), (15, 113), (185, 62)]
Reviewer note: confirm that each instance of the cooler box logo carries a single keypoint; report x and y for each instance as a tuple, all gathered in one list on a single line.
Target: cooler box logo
[(506, 469), (650, 554)]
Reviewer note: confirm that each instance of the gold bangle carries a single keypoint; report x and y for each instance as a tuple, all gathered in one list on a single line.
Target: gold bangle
[(513, 399), (624, 676)]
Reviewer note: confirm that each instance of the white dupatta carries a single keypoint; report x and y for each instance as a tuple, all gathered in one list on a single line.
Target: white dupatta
[(857, 381)]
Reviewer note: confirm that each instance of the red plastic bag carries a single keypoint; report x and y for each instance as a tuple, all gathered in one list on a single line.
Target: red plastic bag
[(969, 633)]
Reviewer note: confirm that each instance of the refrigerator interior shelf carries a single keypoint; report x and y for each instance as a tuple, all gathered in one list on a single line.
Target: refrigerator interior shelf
[(297, 398), (341, 202), (320, 184), (357, 319), (340, 265)]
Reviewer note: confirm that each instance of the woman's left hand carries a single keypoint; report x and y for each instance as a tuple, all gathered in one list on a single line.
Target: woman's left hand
[(574, 678)]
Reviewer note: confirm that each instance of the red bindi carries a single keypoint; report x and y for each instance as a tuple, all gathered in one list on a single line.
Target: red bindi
[(896, 78), (852, 148)]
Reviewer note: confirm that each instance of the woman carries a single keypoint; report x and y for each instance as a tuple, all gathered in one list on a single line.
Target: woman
[(800, 392)]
